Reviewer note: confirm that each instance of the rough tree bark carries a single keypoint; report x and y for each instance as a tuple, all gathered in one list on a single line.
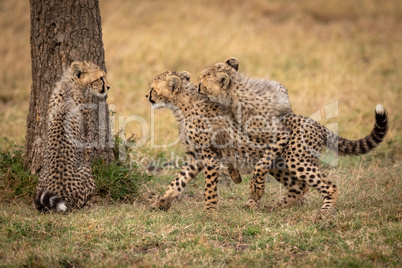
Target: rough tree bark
[(61, 32)]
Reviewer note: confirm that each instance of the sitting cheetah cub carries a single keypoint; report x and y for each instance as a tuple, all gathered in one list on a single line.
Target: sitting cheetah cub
[(224, 84), (66, 181)]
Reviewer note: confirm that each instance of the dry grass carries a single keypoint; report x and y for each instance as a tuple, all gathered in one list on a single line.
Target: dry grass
[(345, 51), (365, 231)]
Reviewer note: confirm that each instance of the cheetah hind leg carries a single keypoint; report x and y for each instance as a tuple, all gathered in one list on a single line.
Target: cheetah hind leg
[(330, 193), (328, 190), (295, 189), (84, 197)]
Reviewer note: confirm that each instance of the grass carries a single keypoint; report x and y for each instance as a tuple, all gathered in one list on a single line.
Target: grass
[(16, 181), (344, 51), (116, 181), (365, 230)]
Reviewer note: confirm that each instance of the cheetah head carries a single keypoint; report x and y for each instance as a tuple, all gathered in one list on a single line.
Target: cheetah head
[(164, 88), (90, 78), (215, 81)]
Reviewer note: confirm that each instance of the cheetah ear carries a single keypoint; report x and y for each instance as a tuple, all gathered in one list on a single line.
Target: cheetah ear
[(224, 79), (77, 68), (174, 82), (233, 62), (185, 75)]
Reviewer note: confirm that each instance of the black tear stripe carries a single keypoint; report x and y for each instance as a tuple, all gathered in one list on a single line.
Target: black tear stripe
[(150, 96), (104, 89)]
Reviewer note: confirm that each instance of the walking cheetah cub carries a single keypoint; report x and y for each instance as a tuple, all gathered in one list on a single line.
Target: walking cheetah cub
[(224, 84), (209, 136)]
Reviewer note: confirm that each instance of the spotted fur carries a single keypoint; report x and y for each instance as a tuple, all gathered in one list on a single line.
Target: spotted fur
[(254, 97), (210, 138), (66, 181), (225, 85)]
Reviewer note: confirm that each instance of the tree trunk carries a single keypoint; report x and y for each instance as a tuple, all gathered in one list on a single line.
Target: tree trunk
[(64, 31)]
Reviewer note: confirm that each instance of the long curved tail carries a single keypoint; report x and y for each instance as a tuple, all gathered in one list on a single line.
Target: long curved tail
[(47, 200), (365, 145)]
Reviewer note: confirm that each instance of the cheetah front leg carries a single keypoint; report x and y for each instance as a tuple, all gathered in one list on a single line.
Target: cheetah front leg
[(257, 182), (274, 151), (211, 171), (188, 172)]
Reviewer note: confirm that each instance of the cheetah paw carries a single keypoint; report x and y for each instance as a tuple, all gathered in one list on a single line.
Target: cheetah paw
[(270, 208), (237, 180), (160, 204), (323, 214), (251, 205), (210, 209)]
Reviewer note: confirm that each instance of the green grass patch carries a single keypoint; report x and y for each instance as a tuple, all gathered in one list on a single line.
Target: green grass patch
[(114, 181), (16, 181), (118, 181)]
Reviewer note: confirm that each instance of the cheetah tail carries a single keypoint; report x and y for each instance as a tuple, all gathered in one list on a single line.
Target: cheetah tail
[(365, 145), (47, 200)]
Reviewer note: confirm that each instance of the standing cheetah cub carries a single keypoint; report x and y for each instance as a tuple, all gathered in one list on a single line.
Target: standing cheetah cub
[(252, 96), (224, 84), (210, 138), (66, 181)]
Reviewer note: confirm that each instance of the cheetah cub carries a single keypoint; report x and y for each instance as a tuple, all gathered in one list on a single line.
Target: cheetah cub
[(66, 181), (209, 136), (224, 84)]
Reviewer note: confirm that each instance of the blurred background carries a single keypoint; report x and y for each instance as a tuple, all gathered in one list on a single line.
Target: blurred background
[(322, 51)]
